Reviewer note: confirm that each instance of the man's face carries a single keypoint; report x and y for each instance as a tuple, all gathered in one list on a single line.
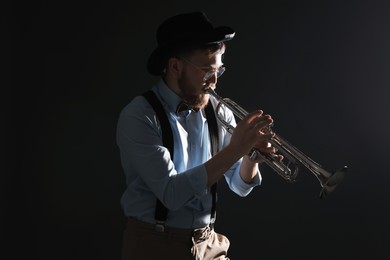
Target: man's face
[(192, 80)]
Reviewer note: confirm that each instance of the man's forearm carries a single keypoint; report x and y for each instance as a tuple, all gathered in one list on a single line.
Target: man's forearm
[(248, 169), (220, 163)]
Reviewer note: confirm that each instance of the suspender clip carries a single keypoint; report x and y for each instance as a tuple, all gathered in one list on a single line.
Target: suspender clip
[(160, 226)]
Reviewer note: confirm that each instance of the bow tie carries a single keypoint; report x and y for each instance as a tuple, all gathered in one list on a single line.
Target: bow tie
[(183, 106)]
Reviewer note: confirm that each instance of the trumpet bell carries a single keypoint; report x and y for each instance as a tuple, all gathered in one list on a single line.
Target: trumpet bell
[(331, 182)]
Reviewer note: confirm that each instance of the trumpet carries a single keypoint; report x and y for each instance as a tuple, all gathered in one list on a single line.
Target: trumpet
[(293, 158)]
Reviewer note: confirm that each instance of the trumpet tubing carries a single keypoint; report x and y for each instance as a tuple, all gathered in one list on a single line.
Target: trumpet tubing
[(294, 158)]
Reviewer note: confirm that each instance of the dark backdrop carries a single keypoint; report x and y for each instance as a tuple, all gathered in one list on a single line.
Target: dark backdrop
[(321, 68)]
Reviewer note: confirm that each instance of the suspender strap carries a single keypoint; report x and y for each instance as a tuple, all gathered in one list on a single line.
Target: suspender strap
[(167, 134), (213, 130), (161, 211)]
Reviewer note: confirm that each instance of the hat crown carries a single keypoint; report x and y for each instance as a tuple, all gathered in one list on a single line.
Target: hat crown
[(183, 26), (184, 29)]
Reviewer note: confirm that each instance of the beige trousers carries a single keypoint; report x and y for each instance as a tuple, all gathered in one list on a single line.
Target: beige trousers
[(142, 242)]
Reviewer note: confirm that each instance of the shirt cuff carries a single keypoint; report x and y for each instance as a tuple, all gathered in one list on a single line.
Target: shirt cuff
[(241, 186)]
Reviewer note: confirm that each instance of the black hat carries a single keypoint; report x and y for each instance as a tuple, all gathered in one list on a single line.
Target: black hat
[(181, 29)]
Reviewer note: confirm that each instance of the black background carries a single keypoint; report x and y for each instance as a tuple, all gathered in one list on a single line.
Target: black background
[(320, 68)]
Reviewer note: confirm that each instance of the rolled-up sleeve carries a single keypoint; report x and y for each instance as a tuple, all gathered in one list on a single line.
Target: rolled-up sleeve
[(237, 184)]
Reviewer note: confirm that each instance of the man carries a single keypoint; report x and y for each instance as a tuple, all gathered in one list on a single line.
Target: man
[(170, 196)]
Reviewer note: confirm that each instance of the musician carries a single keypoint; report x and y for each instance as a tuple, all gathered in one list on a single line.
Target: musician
[(171, 172)]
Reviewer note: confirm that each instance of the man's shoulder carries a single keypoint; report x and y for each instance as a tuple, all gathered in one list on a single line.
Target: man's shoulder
[(137, 106)]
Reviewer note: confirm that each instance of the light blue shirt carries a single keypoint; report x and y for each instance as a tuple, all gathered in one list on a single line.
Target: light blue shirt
[(181, 184)]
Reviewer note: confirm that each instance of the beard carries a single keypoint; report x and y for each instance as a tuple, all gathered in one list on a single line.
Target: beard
[(191, 94)]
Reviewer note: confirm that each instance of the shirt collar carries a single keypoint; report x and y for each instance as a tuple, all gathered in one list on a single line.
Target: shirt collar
[(170, 99)]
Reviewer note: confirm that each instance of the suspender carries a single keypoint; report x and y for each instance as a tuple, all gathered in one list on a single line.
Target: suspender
[(213, 130), (161, 211)]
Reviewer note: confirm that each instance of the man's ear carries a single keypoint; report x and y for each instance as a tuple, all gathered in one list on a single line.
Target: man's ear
[(175, 65)]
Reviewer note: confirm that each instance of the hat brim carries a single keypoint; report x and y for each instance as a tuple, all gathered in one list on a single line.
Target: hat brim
[(155, 64)]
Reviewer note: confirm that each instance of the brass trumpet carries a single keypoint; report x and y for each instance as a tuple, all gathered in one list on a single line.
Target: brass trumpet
[(287, 170)]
